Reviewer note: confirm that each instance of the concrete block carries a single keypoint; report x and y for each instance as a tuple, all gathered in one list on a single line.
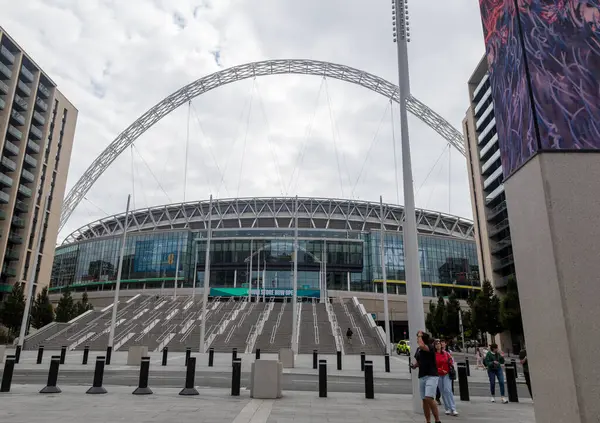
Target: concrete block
[(286, 357), (265, 379), (2, 352), (135, 354)]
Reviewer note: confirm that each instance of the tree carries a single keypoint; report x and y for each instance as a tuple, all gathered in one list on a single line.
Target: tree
[(480, 307), (65, 310), (440, 317), (42, 312), (11, 311), (430, 319), (83, 305), (494, 325), (451, 320), (510, 310)]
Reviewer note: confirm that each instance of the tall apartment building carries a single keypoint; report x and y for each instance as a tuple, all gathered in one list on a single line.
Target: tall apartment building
[(492, 231), (37, 125)]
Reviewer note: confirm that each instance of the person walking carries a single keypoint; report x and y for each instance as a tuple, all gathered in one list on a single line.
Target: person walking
[(445, 365), (493, 361), (479, 356), (349, 335), (525, 364), (428, 375)]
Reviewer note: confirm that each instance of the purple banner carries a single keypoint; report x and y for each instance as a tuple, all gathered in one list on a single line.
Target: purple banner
[(548, 51)]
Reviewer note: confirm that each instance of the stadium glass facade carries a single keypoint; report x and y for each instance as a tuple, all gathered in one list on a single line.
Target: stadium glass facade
[(350, 260)]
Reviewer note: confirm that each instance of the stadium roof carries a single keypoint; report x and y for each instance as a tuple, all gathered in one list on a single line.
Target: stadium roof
[(274, 212)]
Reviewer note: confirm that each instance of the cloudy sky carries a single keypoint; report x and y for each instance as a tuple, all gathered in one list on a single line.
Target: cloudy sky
[(115, 59)]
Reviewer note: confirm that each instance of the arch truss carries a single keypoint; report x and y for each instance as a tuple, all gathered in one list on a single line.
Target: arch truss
[(238, 73)]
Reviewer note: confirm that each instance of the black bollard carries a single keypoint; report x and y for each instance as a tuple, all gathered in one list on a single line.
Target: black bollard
[(234, 354), (51, 387), (236, 377), (315, 359), (18, 354), (97, 387), (468, 366), (387, 363), (188, 354), (108, 355), (258, 353), (142, 388), (211, 357), (362, 361), (463, 383), (190, 377), (514, 364), (9, 367), (511, 384), (40, 354), (322, 378), (165, 353), (63, 354), (86, 353), (369, 389), (339, 360)]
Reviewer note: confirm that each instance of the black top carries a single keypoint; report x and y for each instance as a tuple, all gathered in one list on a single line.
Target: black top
[(427, 363), (349, 332)]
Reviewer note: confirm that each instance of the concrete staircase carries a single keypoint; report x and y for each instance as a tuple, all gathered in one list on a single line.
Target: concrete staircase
[(364, 338), (237, 333), (277, 331)]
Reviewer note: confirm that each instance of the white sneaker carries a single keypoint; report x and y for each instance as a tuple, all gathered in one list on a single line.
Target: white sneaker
[(455, 413), (493, 399), (504, 400), (447, 412)]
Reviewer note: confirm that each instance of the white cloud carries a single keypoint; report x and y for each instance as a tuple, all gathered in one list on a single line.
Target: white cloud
[(115, 59)]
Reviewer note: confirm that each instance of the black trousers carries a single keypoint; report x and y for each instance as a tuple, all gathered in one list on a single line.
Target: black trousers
[(528, 382)]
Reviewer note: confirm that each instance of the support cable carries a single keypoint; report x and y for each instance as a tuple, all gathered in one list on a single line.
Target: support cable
[(237, 131), (94, 204), (449, 179), (245, 141), (187, 148), (431, 170), (132, 178), (373, 141), (333, 134), (152, 173), (274, 155), (395, 156), (307, 135), (434, 187), (140, 180)]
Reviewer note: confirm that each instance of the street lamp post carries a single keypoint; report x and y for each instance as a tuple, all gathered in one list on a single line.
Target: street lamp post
[(206, 280), (416, 317), (384, 275), (295, 282)]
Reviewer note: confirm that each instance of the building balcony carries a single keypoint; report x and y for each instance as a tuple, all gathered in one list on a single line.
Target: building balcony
[(480, 86), (8, 164), (501, 245), (488, 166), (484, 116), (24, 88), (21, 103), (18, 222), (492, 178), (35, 131), (7, 56), (30, 161), (26, 192), (13, 238), (9, 271), (17, 117), (4, 197), (33, 146), (27, 176), (26, 73), (21, 206), (10, 149), (4, 70), (15, 132), (496, 229), (12, 254), (44, 90), (5, 181), (495, 211), (41, 104), (504, 262), (490, 148), (38, 117), (4, 88), (483, 136), (2, 104)]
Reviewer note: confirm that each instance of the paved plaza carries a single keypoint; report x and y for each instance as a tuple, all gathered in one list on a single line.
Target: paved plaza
[(25, 405)]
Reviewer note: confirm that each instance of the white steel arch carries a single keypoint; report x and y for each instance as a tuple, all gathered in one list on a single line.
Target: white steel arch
[(238, 73)]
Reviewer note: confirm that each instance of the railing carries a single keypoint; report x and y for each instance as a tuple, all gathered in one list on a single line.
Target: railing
[(5, 70), (253, 335), (8, 54), (19, 101), (41, 104), (26, 73), (24, 88), (335, 329), (8, 163), (3, 87), (44, 90)]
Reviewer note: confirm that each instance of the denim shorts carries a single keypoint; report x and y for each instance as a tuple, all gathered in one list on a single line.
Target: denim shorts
[(428, 385)]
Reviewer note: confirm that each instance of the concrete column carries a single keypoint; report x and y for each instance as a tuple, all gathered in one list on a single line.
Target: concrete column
[(553, 206)]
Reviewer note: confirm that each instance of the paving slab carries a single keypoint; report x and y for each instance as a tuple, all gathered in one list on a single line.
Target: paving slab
[(24, 404)]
